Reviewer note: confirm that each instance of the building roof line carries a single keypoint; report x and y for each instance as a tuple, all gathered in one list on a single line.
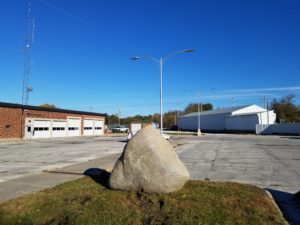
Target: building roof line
[(217, 111), (251, 113), (20, 106)]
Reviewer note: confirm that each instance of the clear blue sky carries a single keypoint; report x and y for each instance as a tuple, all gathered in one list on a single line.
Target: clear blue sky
[(81, 52)]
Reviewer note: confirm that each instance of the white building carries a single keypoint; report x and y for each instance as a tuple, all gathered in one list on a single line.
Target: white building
[(241, 118)]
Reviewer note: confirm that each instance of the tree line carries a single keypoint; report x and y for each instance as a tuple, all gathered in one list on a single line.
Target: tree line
[(170, 118), (285, 108)]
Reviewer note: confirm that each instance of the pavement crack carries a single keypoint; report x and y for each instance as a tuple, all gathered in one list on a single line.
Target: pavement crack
[(275, 159)]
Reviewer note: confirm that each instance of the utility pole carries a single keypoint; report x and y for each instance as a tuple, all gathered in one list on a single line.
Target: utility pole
[(199, 122), (265, 102), (161, 61), (27, 59), (268, 112), (119, 115), (177, 103), (266, 106)]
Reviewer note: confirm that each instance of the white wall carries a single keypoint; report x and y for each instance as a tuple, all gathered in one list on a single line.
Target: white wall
[(241, 122), (278, 129), (248, 122), (263, 117), (214, 122)]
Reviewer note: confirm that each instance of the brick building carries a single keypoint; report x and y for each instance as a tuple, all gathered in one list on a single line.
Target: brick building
[(29, 122)]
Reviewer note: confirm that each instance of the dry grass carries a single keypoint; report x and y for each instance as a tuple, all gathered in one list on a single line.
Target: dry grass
[(89, 201)]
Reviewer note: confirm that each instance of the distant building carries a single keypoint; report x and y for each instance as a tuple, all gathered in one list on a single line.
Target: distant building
[(30, 122), (235, 119)]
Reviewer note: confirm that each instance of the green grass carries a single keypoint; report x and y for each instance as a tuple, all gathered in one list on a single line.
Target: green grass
[(89, 201)]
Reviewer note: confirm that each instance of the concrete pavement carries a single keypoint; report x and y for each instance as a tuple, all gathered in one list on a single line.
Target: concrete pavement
[(266, 161), (21, 158), (21, 186)]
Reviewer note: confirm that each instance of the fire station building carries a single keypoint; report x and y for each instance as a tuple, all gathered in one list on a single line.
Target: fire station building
[(30, 122)]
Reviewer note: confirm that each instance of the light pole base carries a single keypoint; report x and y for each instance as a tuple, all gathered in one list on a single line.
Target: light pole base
[(199, 132)]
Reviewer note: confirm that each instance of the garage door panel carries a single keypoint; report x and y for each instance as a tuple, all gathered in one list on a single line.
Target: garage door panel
[(59, 128), (88, 127), (99, 127), (46, 128), (74, 125), (41, 129)]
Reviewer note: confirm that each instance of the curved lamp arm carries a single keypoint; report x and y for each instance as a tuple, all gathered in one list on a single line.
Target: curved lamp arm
[(174, 53), (145, 57)]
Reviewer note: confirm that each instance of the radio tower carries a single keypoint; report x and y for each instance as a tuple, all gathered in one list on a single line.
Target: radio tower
[(27, 60)]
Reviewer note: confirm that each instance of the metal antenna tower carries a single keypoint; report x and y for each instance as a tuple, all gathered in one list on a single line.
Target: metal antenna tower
[(27, 60)]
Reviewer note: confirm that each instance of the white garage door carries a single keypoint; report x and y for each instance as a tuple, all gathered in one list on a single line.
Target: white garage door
[(88, 127), (74, 125), (59, 128), (98, 127), (41, 128)]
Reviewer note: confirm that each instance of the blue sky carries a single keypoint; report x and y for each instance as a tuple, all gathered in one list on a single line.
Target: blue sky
[(81, 53)]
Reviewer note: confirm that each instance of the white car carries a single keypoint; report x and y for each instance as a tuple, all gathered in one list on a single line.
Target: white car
[(120, 128)]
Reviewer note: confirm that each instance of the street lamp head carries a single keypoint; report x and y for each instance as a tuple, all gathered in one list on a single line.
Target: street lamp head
[(188, 50), (135, 58)]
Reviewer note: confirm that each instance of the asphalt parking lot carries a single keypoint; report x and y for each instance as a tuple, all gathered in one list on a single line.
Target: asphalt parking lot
[(19, 159), (266, 161)]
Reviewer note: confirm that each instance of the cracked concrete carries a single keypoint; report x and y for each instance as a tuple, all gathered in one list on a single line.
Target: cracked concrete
[(266, 161), (32, 157)]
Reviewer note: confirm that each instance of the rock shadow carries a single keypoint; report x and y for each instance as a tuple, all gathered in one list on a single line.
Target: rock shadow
[(100, 176), (289, 205)]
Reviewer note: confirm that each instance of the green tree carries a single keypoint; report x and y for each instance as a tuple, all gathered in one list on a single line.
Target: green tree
[(136, 119), (170, 119), (285, 109), (112, 119), (48, 105), (156, 118), (193, 107)]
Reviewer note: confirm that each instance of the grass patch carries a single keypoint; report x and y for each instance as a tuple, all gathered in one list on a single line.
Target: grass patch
[(89, 201)]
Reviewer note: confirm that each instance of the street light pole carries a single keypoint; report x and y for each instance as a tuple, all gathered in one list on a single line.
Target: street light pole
[(161, 93), (161, 61)]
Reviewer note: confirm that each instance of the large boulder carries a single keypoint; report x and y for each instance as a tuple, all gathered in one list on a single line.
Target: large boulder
[(148, 163)]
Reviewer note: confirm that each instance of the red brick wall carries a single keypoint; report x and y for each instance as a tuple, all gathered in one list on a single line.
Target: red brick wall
[(12, 123)]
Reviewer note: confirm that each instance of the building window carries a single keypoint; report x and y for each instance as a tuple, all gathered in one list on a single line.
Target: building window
[(7, 126), (41, 129), (73, 128), (58, 128), (88, 128)]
